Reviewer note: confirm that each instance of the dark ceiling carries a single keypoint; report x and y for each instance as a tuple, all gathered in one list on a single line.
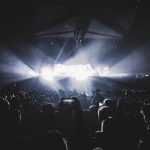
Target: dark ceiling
[(26, 18), (20, 21)]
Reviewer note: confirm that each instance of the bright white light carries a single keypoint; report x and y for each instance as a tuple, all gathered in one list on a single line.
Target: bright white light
[(47, 77), (147, 75), (46, 73), (32, 73), (79, 72), (81, 77), (106, 70)]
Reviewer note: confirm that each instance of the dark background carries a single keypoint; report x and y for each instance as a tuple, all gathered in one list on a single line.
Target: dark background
[(20, 21)]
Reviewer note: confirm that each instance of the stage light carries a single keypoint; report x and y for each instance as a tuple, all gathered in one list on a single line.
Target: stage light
[(33, 73), (106, 70), (47, 77), (81, 72), (81, 77), (46, 74)]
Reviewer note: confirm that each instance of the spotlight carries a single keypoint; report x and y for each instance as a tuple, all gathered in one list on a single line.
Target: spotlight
[(106, 70), (81, 72), (35, 74), (81, 77), (47, 77), (46, 74)]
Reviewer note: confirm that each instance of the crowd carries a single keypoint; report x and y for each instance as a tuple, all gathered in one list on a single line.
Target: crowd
[(114, 119)]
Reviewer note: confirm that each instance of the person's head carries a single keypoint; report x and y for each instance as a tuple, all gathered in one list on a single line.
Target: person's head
[(110, 103), (123, 107), (98, 91), (93, 109), (108, 125), (104, 112), (51, 140), (97, 148), (76, 103), (48, 109), (4, 105)]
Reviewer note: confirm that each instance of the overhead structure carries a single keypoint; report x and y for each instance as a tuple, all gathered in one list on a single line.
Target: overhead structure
[(80, 28)]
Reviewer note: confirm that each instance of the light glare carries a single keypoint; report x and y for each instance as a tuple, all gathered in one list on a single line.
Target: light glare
[(46, 73), (79, 72)]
